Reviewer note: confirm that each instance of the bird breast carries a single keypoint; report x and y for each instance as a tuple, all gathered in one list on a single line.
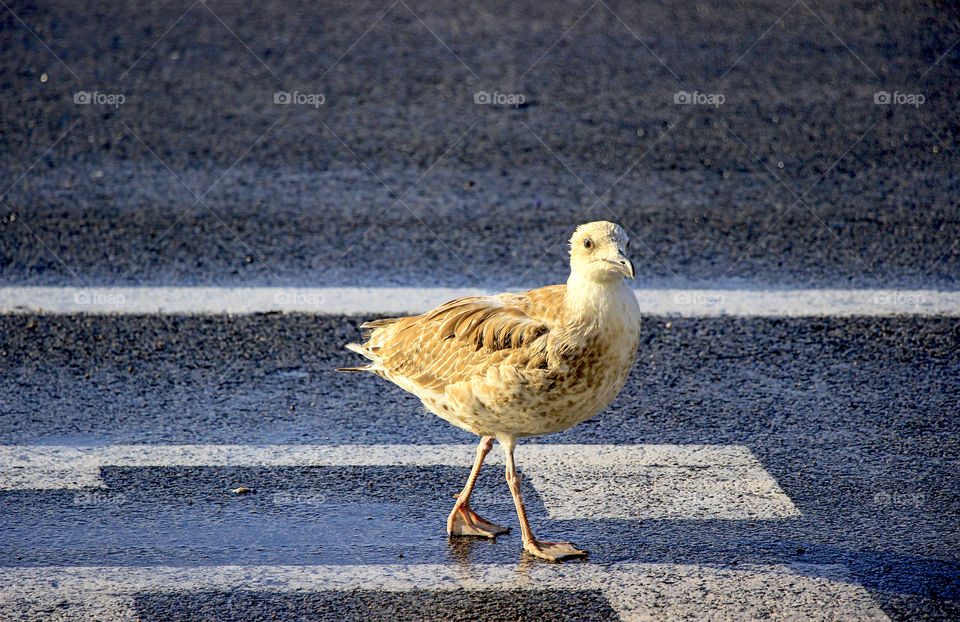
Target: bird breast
[(600, 353)]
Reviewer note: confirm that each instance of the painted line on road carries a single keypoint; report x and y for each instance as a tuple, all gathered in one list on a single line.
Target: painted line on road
[(409, 300), (573, 481), (646, 591)]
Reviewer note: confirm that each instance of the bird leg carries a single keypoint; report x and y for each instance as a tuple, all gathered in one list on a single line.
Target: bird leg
[(462, 520), (552, 551)]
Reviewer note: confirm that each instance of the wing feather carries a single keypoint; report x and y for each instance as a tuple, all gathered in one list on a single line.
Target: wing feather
[(460, 339)]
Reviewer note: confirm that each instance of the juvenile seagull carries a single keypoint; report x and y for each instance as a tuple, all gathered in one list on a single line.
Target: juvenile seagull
[(514, 365)]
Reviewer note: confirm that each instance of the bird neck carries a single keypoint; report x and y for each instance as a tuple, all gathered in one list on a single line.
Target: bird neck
[(589, 301)]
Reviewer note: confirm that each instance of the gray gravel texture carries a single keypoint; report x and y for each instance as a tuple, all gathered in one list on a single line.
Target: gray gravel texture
[(797, 179), (362, 605)]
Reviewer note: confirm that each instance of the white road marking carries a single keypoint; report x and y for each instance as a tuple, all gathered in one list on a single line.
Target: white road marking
[(407, 300), (574, 481), (635, 591)]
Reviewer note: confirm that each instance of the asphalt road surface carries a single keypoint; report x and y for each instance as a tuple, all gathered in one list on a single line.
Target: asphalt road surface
[(853, 420), (754, 467), (797, 178)]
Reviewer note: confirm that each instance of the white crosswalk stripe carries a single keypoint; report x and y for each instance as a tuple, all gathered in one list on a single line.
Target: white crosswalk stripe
[(635, 591), (574, 481), (404, 300)]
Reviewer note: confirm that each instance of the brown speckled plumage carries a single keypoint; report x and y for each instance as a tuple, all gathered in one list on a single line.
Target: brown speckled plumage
[(514, 365)]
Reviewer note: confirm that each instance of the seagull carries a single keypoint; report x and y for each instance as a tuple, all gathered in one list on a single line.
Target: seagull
[(521, 364)]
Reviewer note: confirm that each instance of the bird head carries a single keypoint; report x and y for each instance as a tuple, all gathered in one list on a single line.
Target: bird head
[(598, 252)]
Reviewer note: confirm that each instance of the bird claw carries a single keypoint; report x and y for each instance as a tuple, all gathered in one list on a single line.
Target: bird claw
[(465, 522), (553, 551)]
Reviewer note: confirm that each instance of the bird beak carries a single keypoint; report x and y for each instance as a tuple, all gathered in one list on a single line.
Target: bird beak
[(623, 264)]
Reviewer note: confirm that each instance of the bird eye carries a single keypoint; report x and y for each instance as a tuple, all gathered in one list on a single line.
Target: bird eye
[(587, 243)]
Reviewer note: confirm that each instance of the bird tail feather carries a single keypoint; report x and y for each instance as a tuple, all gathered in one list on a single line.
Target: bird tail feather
[(359, 349)]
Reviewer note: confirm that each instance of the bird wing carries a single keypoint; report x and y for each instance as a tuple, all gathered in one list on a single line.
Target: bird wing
[(462, 339)]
